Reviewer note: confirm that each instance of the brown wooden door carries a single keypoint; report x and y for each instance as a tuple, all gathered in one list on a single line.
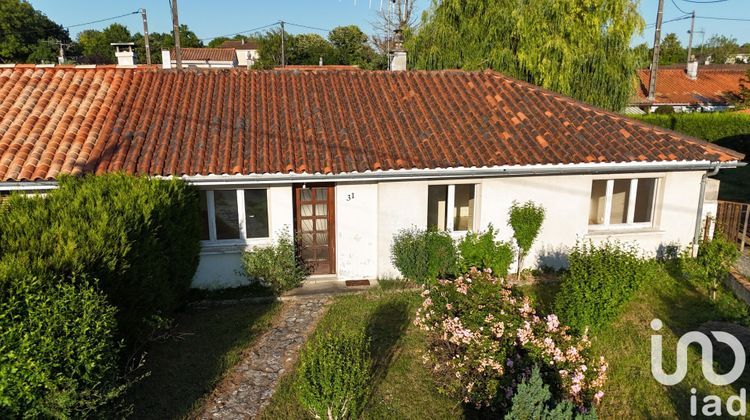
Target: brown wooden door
[(314, 224)]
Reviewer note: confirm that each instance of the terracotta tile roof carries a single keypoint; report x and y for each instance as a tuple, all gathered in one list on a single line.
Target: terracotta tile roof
[(146, 121), (713, 85), (238, 45), (313, 67), (205, 54)]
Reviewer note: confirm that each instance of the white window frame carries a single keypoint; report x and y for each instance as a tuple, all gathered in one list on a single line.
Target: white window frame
[(630, 224), (243, 239), (450, 203)]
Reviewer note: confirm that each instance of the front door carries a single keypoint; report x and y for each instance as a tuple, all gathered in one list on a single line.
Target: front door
[(314, 227)]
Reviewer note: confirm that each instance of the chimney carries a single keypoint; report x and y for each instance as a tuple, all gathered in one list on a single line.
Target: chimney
[(124, 53), (320, 61), (398, 55), (166, 59), (692, 69)]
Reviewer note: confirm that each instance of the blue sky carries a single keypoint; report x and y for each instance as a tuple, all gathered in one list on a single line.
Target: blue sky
[(220, 17)]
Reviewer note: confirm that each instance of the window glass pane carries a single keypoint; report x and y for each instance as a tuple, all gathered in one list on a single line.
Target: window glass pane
[(305, 194), (321, 194), (321, 210), (463, 214), (204, 216), (598, 200), (437, 206), (256, 213), (227, 220), (644, 200), (620, 197)]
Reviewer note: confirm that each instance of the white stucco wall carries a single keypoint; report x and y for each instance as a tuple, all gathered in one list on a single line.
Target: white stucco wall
[(220, 266), (356, 231)]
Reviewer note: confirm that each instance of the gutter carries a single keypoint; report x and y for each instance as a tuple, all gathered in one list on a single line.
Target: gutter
[(701, 200)]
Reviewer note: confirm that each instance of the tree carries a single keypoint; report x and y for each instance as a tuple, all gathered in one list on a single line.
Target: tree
[(722, 48), (671, 50), (743, 96), (311, 47), (388, 19), (351, 46), (24, 32), (269, 49), (581, 50), (164, 41), (642, 55), (95, 45)]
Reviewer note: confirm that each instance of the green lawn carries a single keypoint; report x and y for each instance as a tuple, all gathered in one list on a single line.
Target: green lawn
[(187, 365), (403, 387)]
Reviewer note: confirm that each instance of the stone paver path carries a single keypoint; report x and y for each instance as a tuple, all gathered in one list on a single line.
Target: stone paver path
[(250, 384)]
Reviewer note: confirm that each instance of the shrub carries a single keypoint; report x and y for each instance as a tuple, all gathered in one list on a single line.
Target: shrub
[(276, 266), (139, 237), (716, 257), (599, 282), (533, 400), (58, 351), (526, 220), (484, 338), (334, 375), (424, 255), (480, 250)]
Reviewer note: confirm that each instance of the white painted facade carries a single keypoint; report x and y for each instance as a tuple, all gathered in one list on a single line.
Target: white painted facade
[(369, 213)]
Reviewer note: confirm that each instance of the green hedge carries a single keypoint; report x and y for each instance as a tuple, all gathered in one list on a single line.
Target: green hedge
[(728, 129), (139, 237), (599, 282), (58, 351), (424, 256)]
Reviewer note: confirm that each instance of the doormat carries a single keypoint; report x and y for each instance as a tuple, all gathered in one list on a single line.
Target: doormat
[(353, 283)]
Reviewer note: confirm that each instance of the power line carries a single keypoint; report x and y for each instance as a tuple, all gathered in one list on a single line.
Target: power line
[(308, 27), (723, 18), (241, 32), (704, 1), (102, 20), (651, 25), (678, 8)]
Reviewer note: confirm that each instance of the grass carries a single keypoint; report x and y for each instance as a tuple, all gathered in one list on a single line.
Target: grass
[(188, 363), (402, 387), (252, 290)]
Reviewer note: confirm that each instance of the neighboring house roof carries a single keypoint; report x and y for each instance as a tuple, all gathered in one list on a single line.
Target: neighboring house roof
[(714, 86), (205, 54), (239, 45), (197, 122)]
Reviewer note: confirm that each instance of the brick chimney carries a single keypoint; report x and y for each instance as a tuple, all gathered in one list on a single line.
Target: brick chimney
[(398, 55), (124, 53)]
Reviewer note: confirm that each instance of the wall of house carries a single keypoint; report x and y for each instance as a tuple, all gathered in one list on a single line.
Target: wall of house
[(567, 201), (356, 231), (220, 266)]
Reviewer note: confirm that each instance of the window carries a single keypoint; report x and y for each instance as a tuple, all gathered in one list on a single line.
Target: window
[(628, 202), (451, 207), (234, 214)]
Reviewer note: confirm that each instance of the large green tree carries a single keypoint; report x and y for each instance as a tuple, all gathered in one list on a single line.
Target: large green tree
[(163, 41), (722, 48), (671, 50), (351, 46), (27, 35), (578, 48), (95, 45)]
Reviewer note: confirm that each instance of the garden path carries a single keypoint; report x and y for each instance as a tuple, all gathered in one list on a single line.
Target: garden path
[(248, 387)]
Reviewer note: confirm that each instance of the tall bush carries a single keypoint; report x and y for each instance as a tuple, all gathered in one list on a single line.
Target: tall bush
[(716, 257), (481, 250), (138, 236), (58, 348), (424, 255), (526, 220), (334, 375), (599, 282), (277, 266)]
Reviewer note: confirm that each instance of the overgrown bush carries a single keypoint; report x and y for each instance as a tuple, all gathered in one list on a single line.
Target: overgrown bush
[(139, 237), (526, 219), (484, 338), (277, 266), (533, 400), (600, 280), (481, 250), (333, 379), (424, 255), (58, 348), (716, 256)]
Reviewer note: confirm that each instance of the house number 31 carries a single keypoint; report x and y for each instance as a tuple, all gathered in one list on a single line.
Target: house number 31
[(350, 197)]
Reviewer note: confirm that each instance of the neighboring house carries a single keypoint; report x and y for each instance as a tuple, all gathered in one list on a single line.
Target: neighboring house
[(204, 58), (346, 159), (247, 51), (711, 88)]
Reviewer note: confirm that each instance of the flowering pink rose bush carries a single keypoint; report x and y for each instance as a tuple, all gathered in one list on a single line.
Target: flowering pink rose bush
[(485, 338)]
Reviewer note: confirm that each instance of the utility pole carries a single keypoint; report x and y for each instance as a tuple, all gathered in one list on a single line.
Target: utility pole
[(655, 60), (145, 36), (176, 31), (690, 38), (283, 60)]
